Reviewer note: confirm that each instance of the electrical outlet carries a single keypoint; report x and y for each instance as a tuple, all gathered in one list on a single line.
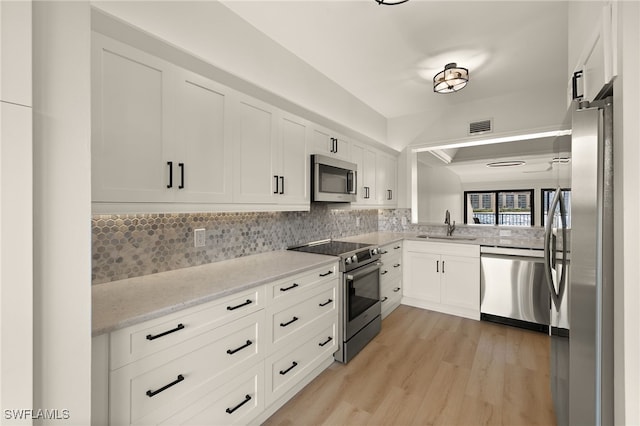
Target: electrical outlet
[(199, 236), (404, 221)]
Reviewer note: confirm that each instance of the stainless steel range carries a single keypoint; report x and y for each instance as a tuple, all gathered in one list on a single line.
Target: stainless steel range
[(360, 309)]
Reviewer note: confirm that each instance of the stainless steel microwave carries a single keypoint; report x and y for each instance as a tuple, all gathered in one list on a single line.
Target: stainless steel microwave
[(333, 180)]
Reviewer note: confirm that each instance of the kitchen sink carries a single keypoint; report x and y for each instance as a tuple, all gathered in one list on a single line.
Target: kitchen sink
[(446, 237)]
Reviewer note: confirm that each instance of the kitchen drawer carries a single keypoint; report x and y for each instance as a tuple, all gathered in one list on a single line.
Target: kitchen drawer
[(287, 367), (390, 294), (391, 267), (141, 340), (287, 288), (171, 379), (391, 249), (235, 402), (293, 319)]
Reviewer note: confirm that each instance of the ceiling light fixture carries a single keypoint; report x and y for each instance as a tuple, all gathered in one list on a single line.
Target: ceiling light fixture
[(506, 163), (451, 79), (391, 2)]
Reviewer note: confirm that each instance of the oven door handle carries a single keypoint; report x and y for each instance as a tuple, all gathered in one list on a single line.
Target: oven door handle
[(364, 271)]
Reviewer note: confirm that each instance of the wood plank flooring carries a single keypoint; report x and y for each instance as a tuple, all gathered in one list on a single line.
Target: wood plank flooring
[(427, 368)]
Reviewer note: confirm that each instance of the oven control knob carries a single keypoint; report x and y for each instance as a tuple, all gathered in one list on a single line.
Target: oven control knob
[(354, 258), (375, 251), (347, 261)]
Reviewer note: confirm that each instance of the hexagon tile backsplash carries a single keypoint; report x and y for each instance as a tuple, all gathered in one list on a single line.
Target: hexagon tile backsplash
[(126, 246)]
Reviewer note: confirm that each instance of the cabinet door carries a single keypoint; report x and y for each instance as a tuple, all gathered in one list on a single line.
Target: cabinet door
[(325, 142), (423, 276), (130, 103), (203, 140), (461, 282), (293, 170), (365, 159), (386, 180), (254, 142)]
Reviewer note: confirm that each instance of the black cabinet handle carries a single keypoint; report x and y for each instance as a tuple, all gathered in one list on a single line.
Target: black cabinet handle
[(170, 164), (397, 289), (276, 179), (233, 351), (284, 324), (151, 393), (437, 266), (397, 265), (328, 273), (291, 287), (283, 372), (574, 85), (384, 272), (281, 185), (181, 165), (397, 247), (247, 398), (366, 192), (384, 299), (233, 308), (389, 194), (326, 341), (325, 303), (384, 252), (443, 266), (173, 330)]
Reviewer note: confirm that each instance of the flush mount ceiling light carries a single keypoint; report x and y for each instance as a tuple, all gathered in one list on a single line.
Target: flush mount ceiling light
[(506, 163), (390, 2), (451, 79)]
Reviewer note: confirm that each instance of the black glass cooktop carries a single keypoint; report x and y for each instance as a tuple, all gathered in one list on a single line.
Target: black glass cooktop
[(330, 247)]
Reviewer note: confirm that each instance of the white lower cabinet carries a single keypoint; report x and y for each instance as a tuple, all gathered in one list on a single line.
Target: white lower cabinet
[(442, 277), (235, 360), (391, 277)]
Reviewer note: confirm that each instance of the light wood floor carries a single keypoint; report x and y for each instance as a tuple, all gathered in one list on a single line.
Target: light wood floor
[(427, 368)]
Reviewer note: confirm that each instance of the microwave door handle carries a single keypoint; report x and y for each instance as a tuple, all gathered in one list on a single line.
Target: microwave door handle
[(352, 184)]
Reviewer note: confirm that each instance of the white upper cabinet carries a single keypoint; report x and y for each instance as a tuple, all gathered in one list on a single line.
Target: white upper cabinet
[(131, 101), (596, 66), (386, 180), (326, 142), (365, 158), (254, 142), (293, 162), (15, 52), (203, 136)]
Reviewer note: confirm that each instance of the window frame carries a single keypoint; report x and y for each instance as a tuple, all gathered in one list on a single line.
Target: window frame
[(496, 194)]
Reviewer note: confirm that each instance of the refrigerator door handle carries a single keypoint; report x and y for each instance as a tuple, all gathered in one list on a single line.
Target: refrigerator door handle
[(556, 296)]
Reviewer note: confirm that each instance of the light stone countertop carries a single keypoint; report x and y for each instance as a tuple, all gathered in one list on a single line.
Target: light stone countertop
[(122, 303), (382, 238)]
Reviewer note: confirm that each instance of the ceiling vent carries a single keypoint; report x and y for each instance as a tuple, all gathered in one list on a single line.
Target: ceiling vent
[(480, 127)]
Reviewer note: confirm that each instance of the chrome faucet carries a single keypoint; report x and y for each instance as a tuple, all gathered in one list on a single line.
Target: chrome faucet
[(447, 221)]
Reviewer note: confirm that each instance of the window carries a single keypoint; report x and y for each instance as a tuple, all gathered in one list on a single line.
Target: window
[(506, 207), (547, 197)]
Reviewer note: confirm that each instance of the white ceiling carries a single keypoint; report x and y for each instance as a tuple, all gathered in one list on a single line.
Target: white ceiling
[(387, 55)]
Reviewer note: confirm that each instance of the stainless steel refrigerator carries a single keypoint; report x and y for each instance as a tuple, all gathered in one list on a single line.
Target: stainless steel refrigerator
[(581, 284)]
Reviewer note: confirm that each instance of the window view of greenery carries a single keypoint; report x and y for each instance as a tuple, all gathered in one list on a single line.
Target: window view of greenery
[(547, 197), (508, 208)]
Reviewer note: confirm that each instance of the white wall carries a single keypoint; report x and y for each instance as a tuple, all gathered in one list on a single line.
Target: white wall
[(439, 190), (62, 209), (16, 247), (627, 226)]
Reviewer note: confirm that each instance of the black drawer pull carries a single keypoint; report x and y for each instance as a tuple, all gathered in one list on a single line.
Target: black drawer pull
[(326, 341), (170, 164), (151, 337), (284, 324), (384, 252), (181, 165), (397, 265), (325, 303), (283, 372), (328, 273), (232, 308), (291, 287), (384, 299), (397, 289), (233, 351), (384, 272), (397, 247), (151, 393), (247, 398)]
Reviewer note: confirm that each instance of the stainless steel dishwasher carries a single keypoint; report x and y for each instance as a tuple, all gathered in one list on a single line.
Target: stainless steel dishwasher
[(513, 289)]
